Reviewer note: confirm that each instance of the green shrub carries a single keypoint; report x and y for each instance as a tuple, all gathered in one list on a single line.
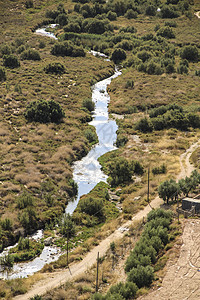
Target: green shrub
[(6, 224), (11, 61), (120, 171), (131, 14), (29, 4), (30, 54), (61, 19), (166, 32), (171, 23), (182, 69), (159, 170), (150, 10), (89, 104), (2, 74), (67, 48), (126, 290), (54, 68), (144, 125), (190, 53), (7, 261), (91, 136), (5, 50), (141, 276), (197, 72), (112, 16), (121, 140), (92, 206), (24, 200), (118, 55), (44, 112), (168, 11)]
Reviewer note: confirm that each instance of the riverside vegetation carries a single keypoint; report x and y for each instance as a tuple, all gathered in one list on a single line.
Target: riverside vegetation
[(158, 94)]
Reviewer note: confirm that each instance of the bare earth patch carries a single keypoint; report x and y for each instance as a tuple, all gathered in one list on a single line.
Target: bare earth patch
[(182, 279)]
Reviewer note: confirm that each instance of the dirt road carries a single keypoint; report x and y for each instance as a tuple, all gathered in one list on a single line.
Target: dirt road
[(53, 280), (182, 279)]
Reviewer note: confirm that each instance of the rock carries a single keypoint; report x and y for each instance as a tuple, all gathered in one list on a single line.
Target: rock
[(48, 241)]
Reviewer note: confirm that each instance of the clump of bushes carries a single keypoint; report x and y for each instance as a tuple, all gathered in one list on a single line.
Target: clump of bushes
[(44, 112), (11, 61), (54, 68), (191, 53), (169, 116), (118, 55), (30, 54), (67, 48)]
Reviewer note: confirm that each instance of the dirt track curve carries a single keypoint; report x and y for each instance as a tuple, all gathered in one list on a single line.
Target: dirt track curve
[(53, 280)]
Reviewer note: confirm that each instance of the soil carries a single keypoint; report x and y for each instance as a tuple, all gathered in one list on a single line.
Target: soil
[(183, 272)]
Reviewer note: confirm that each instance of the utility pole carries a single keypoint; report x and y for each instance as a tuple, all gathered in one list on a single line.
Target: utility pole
[(148, 186), (67, 248), (97, 272)]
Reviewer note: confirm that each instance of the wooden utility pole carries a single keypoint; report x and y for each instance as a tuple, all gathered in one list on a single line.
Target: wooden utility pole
[(148, 186), (67, 248), (97, 278)]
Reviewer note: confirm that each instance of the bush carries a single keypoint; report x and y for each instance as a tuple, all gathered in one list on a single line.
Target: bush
[(131, 14), (61, 19), (5, 50), (166, 32), (190, 53), (92, 206), (24, 201), (118, 55), (120, 171), (150, 10), (168, 11), (112, 16), (144, 125), (141, 276), (44, 112), (91, 136), (126, 290), (2, 74), (182, 69), (30, 55), (11, 61), (159, 170), (67, 48), (89, 104), (171, 23), (121, 140), (29, 4), (54, 68)]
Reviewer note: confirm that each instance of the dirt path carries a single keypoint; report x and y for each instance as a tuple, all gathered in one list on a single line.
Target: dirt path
[(53, 280), (182, 279)]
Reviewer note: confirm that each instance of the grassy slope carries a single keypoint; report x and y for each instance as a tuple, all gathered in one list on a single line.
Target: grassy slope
[(32, 153)]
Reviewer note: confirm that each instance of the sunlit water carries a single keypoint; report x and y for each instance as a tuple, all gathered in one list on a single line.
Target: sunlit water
[(86, 172)]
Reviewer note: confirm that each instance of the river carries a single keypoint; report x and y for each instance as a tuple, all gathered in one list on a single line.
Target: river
[(86, 172)]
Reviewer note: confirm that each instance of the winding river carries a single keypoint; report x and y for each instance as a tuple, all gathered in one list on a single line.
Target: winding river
[(86, 172)]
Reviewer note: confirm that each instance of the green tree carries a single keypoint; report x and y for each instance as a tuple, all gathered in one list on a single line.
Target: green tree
[(67, 226), (169, 189), (120, 171)]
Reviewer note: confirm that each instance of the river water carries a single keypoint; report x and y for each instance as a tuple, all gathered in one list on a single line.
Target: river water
[(86, 172)]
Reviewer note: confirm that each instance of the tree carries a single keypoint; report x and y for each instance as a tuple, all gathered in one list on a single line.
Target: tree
[(67, 226), (89, 104), (92, 206), (169, 189)]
